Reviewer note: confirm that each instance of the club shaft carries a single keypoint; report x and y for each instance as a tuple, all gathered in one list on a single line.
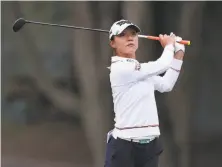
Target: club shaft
[(67, 26), (185, 42)]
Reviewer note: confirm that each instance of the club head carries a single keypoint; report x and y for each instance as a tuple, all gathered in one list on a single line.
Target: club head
[(19, 23)]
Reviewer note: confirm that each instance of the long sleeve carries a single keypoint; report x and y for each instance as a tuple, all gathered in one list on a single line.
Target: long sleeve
[(167, 82), (127, 70), (160, 65)]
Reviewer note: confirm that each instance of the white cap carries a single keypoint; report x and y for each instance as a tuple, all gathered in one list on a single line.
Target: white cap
[(118, 27)]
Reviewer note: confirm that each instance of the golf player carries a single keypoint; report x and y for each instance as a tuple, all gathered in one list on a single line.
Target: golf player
[(134, 141)]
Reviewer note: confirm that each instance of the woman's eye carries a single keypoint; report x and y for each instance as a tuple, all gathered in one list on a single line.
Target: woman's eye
[(122, 34), (134, 33)]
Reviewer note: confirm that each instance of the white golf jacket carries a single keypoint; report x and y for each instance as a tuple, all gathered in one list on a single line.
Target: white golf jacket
[(133, 86)]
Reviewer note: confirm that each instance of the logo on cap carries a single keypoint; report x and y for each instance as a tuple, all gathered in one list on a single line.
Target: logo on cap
[(121, 22)]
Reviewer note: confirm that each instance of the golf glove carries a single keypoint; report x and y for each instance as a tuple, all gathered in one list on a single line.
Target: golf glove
[(179, 46)]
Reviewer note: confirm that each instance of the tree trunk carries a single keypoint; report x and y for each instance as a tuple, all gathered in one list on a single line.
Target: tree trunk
[(178, 101), (84, 59)]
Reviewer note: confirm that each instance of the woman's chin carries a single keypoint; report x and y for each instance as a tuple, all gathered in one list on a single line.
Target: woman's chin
[(131, 51)]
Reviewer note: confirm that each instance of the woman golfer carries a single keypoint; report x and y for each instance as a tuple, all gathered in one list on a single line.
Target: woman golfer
[(134, 141)]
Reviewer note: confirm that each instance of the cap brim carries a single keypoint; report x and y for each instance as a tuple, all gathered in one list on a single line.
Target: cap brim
[(133, 27)]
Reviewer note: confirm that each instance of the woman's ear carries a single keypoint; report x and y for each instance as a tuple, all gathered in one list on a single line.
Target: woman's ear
[(112, 44)]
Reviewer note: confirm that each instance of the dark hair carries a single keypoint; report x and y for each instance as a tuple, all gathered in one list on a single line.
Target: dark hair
[(112, 38)]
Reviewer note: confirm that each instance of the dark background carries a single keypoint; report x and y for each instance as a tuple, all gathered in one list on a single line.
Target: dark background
[(56, 97)]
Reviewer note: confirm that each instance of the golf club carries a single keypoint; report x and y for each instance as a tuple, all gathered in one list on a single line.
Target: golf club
[(19, 23)]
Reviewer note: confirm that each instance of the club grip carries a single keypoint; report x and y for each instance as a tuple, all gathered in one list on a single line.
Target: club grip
[(185, 42)]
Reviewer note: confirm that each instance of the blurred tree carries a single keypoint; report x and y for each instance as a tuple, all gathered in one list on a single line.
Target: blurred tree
[(63, 100), (92, 111), (179, 100)]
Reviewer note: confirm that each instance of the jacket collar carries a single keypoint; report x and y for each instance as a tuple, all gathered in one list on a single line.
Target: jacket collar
[(118, 58)]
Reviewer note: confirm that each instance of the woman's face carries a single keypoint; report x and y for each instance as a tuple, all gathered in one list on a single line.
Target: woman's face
[(125, 43)]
